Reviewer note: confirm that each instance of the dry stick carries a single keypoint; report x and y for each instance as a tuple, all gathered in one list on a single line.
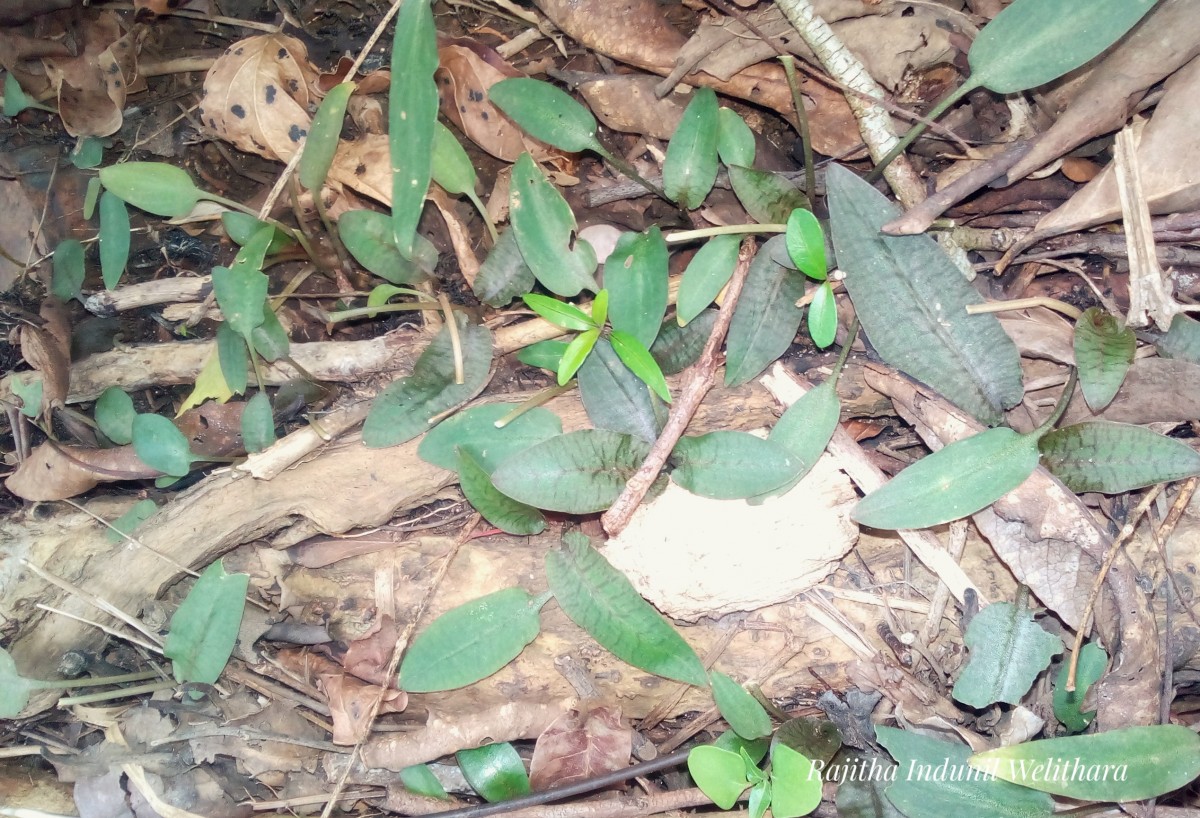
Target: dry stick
[(941, 596), (394, 662), (1113, 550), (700, 380)]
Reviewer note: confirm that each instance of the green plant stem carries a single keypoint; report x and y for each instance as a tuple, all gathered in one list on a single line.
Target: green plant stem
[(919, 128), (95, 681), (535, 400), (473, 198), (723, 230), (122, 693), (358, 312), (851, 334), (810, 172), (628, 169), (1061, 407)]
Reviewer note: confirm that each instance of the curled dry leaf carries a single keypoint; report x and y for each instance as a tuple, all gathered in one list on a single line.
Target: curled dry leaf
[(257, 95), (350, 704), (56, 472), (92, 87), (579, 746)]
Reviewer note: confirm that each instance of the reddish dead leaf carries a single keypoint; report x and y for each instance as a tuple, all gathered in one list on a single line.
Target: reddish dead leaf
[(56, 472), (214, 429), (580, 746), (350, 703), (257, 95), (368, 658), (92, 87)]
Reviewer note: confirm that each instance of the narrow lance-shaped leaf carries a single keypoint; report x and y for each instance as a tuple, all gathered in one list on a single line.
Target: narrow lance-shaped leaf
[(575, 354), (1116, 457), (640, 362), (68, 270), (324, 136), (114, 238), (545, 226), (690, 167), (547, 113), (412, 113)]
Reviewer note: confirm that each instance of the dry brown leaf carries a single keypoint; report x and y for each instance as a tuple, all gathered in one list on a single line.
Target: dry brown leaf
[(257, 95), (43, 352), (627, 103), (350, 703), (579, 746), (91, 88), (368, 658), (55, 472)]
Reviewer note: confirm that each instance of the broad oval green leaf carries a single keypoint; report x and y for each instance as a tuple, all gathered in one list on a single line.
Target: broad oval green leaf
[(822, 316), (547, 113), (1031, 42), (269, 338), (204, 628), (560, 313), (258, 423), (795, 783), (504, 275), (1008, 651), (957, 480), (545, 227), (806, 244), (935, 779), (634, 355), (412, 114), (727, 465), (88, 152), (507, 514), (475, 430), (719, 773), (766, 318), (635, 275), (545, 355), (324, 135), (114, 238), (1115, 457), (1126, 764), (805, 429), (742, 711), (1103, 352), (706, 275), (575, 354), (735, 140), (160, 445), (912, 301), (368, 237), (452, 168), (470, 642), (768, 197), (1068, 705), (241, 294), (677, 348), (114, 415), (495, 771), (156, 187), (599, 599), (67, 270), (404, 408), (614, 397), (690, 167), (576, 473)]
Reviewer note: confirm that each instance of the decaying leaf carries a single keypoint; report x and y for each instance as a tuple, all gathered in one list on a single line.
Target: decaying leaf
[(91, 88), (47, 355), (351, 702), (579, 746), (55, 472)]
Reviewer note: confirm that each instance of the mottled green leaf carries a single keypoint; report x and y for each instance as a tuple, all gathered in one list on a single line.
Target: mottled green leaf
[(614, 397), (728, 465), (1103, 352), (475, 430), (1008, 651), (1115, 457), (804, 430), (504, 275), (1182, 340), (546, 113), (768, 197), (545, 229), (690, 167), (677, 348), (766, 318), (507, 514)]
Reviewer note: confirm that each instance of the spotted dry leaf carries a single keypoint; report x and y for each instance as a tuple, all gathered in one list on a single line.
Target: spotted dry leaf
[(258, 95), (91, 87)]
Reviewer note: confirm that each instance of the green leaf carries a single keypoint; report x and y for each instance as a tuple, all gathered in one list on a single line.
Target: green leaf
[(258, 423), (755, 749), (1031, 42), (420, 779), (14, 688), (205, 627), (1008, 651), (634, 355), (545, 355), (760, 799), (1127, 764), (806, 244), (242, 227), (66, 278), (234, 357), (599, 309), (137, 514), (599, 599), (1103, 352), (452, 168), (690, 167), (706, 275), (805, 429), (766, 318), (768, 197), (545, 228), (368, 237), (404, 408), (1068, 705), (677, 348), (957, 480), (471, 642), (635, 275), (816, 739), (727, 465), (508, 515), (735, 140), (384, 293), (1115, 457), (30, 393), (241, 295), (614, 397), (577, 473), (156, 187), (114, 415), (269, 339), (546, 113), (560, 313), (16, 101), (412, 114), (1182, 340), (822, 316), (114, 238), (504, 275), (495, 771), (575, 354), (88, 153), (741, 710), (475, 430), (324, 135), (795, 783), (912, 301), (934, 780), (720, 774), (91, 196), (160, 445)]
